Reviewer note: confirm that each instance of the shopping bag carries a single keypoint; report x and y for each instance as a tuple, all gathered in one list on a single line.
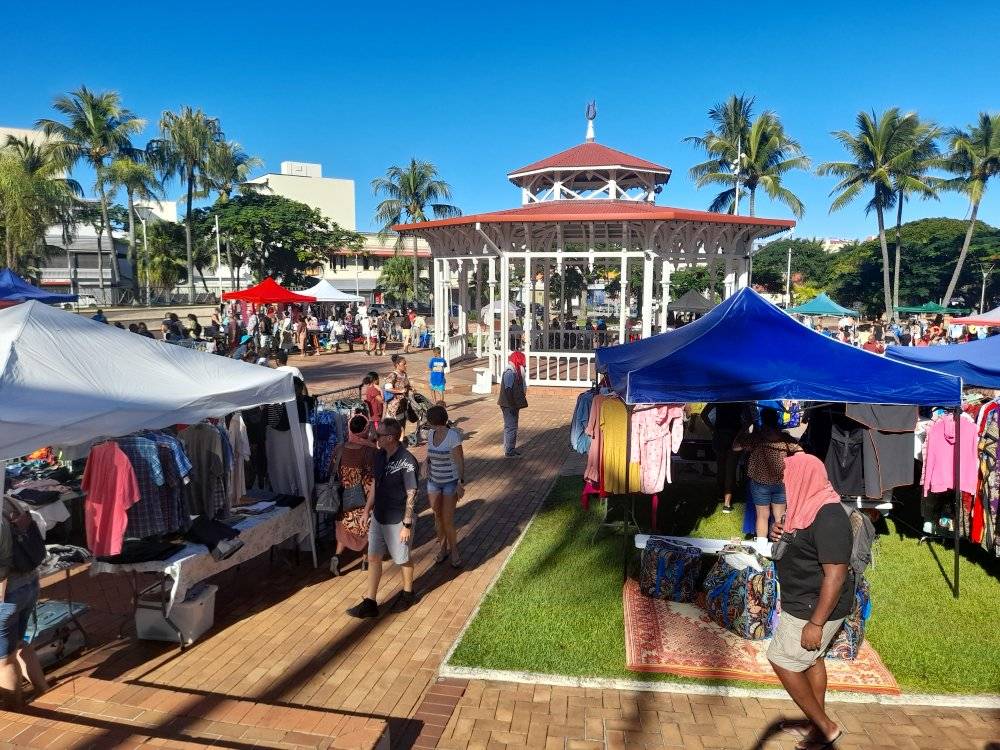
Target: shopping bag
[(669, 570), (741, 593), (847, 642)]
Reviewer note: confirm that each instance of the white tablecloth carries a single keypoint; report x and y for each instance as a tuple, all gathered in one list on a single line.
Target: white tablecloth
[(195, 563)]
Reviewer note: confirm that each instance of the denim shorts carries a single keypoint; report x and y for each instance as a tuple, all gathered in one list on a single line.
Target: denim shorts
[(15, 612), (449, 488), (767, 494), (384, 539)]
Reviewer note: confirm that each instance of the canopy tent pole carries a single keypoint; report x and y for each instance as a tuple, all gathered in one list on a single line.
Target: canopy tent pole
[(629, 500), (623, 302), (665, 270), (305, 474), (958, 490)]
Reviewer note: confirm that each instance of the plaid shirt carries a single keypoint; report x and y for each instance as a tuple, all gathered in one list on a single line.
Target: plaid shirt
[(146, 518), (176, 469)]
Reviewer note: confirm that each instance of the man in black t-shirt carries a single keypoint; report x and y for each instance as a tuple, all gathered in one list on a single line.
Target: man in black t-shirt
[(816, 589), (391, 504)]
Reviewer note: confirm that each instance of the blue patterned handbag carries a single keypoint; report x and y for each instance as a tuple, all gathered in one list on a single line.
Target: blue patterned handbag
[(847, 643), (743, 600), (669, 570)]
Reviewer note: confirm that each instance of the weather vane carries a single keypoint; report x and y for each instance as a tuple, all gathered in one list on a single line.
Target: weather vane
[(591, 114)]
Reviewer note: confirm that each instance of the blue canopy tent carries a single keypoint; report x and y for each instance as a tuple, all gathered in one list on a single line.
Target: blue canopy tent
[(975, 362), (14, 289), (821, 305), (747, 349)]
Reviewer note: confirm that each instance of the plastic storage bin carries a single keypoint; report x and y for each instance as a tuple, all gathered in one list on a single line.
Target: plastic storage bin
[(192, 617)]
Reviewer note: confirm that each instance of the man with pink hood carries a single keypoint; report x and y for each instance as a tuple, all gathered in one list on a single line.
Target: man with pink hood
[(812, 556), (512, 399)]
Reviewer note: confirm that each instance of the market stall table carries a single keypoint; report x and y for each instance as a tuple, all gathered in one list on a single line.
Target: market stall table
[(707, 546), (194, 563)]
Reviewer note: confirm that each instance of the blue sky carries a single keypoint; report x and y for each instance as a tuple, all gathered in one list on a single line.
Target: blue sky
[(480, 91)]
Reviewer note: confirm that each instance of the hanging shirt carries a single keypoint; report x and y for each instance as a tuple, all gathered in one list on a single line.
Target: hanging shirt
[(240, 441), (579, 440), (146, 518), (204, 447), (614, 426), (939, 461), (111, 489), (592, 473), (656, 432)]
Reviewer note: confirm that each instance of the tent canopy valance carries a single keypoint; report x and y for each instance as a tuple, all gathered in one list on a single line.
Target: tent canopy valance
[(990, 318), (931, 308), (691, 302), (821, 304), (14, 289), (68, 380), (976, 362), (267, 292), (747, 349), (324, 291)]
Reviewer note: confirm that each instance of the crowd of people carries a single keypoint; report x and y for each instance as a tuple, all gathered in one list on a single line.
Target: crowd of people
[(875, 336)]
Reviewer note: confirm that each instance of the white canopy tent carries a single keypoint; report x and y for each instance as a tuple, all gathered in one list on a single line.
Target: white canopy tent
[(324, 291), (68, 380)]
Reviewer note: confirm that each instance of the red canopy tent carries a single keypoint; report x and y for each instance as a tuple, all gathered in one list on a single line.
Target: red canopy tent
[(267, 291), (989, 319)]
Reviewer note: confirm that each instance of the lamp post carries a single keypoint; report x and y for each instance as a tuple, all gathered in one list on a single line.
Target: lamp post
[(218, 256), (788, 272), (985, 271), (144, 213)]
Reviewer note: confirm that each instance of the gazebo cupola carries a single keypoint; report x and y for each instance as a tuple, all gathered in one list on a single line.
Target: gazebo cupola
[(590, 171)]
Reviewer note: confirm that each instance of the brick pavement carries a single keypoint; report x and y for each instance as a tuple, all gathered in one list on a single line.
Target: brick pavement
[(289, 668)]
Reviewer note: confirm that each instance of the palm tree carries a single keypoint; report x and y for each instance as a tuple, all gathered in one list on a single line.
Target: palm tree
[(137, 176), (409, 192), (753, 154), (879, 149), (187, 139), (910, 178), (34, 194), (973, 157), (98, 129), (228, 169)]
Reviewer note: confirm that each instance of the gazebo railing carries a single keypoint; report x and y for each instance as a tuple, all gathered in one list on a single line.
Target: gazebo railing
[(569, 369)]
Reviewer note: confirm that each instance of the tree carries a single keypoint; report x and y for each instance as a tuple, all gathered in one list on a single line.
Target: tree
[(754, 154), (810, 262), (396, 278), (137, 176), (228, 169), (910, 178), (164, 262), (275, 236), (576, 286), (692, 279), (973, 157), (409, 191), (98, 129), (92, 214), (34, 194), (879, 149), (187, 139)]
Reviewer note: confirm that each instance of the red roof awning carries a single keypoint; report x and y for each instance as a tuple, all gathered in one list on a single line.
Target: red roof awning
[(267, 291), (591, 155), (596, 210)]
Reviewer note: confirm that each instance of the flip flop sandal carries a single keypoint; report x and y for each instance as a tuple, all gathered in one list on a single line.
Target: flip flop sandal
[(819, 744)]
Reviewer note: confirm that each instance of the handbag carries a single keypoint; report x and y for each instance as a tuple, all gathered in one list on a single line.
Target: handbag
[(741, 593), (28, 547), (329, 495)]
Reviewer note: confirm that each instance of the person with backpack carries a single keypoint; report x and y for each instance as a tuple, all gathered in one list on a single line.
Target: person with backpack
[(813, 549), (511, 400), (21, 552), (265, 331)]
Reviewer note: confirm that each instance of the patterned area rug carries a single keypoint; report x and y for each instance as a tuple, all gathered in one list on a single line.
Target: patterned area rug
[(680, 639)]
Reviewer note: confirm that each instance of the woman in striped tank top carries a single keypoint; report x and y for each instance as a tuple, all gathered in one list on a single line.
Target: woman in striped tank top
[(445, 468)]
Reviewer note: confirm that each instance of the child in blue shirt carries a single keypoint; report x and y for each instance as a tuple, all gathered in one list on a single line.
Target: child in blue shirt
[(437, 366)]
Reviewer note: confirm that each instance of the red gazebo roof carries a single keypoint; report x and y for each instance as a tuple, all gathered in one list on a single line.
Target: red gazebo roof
[(267, 291), (596, 210), (591, 155)]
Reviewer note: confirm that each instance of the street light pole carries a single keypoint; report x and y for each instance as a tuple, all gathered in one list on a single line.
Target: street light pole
[(145, 247), (218, 255), (986, 271), (788, 279)]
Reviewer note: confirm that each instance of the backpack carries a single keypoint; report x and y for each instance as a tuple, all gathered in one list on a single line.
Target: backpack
[(863, 537), (266, 326)]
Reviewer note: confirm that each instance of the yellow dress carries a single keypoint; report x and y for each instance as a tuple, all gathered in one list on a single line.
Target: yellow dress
[(614, 423)]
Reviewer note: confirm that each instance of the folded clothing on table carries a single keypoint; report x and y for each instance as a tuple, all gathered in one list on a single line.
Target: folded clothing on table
[(143, 550), (222, 540)]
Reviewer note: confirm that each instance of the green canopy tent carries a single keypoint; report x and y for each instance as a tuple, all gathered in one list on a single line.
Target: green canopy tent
[(691, 302), (932, 308), (821, 304)]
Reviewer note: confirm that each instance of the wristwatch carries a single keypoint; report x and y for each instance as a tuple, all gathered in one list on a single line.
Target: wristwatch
[(407, 525)]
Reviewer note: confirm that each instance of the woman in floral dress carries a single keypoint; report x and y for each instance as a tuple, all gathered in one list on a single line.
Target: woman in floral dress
[(354, 462)]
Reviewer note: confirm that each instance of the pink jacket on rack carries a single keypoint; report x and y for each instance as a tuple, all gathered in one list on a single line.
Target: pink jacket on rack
[(656, 432), (939, 456)]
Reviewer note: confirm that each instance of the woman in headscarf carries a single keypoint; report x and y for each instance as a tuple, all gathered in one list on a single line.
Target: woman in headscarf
[(812, 557), (354, 462), (511, 400)]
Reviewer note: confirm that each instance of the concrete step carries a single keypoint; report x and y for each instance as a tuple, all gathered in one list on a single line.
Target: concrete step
[(85, 712)]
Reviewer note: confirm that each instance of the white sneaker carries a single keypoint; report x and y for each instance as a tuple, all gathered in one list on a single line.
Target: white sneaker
[(335, 565)]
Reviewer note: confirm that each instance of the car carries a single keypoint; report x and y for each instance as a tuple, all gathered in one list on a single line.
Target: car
[(420, 308), (378, 308)]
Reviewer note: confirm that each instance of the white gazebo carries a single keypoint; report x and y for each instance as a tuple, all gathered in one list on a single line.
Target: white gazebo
[(589, 204)]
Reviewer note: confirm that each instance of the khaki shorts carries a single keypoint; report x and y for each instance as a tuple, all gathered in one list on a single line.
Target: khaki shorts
[(786, 649)]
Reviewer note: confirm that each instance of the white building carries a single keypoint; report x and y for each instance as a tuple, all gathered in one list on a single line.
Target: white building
[(304, 182)]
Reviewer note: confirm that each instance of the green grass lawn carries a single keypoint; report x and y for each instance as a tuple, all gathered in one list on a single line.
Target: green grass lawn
[(557, 608)]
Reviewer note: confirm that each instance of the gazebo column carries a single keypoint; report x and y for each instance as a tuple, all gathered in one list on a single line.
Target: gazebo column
[(546, 315), (463, 300), (623, 298), (438, 292), (665, 272), (648, 269), (743, 273), (528, 295), (504, 314), (492, 284), (730, 278)]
